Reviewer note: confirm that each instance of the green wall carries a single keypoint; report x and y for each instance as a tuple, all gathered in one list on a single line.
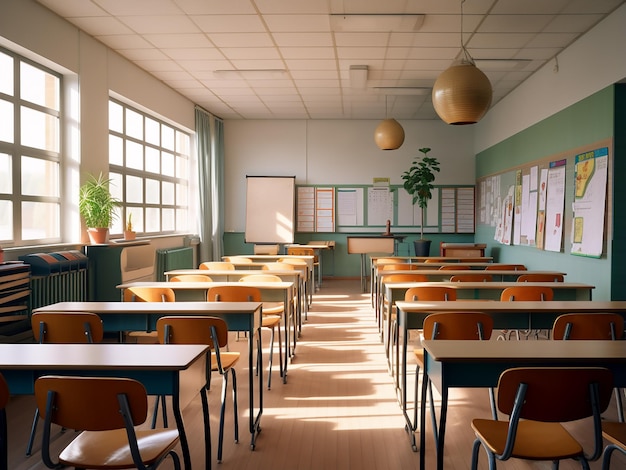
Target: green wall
[(584, 123)]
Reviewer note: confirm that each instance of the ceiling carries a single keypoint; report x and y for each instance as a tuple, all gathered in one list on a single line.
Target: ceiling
[(291, 59)]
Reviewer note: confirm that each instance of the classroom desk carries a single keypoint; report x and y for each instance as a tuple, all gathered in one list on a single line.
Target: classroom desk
[(317, 249), (479, 364), (270, 292), (239, 316), (228, 275), (176, 370), (506, 315)]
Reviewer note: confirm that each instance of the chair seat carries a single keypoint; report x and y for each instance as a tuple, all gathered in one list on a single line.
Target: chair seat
[(535, 440), (229, 359), (614, 432), (109, 449), (419, 356), (273, 308), (270, 321)]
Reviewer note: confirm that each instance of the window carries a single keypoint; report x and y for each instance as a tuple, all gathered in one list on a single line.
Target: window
[(149, 171), (30, 152)]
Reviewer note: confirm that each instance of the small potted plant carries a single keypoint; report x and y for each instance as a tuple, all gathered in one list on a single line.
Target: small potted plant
[(129, 233), (97, 207), (418, 182)]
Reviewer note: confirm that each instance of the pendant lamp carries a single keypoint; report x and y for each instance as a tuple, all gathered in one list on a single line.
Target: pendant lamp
[(462, 93), (389, 134)]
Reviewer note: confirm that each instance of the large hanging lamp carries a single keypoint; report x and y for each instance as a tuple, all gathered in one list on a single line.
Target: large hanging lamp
[(389, 134), (462, 93)]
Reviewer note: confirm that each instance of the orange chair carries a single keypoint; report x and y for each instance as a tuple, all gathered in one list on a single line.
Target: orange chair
[(217, 265), (433, 293), (505, 267), (191, 278), (477, 277), (213, 332), (304, 251), (278, 266), (592, 326), (540, 278), (451, 267), (63, 328), (524, 293), (615, 434), (538, 400), (108, 409), (4, 401), (147, 294), (238, 259), (399, 267), (448, 326)]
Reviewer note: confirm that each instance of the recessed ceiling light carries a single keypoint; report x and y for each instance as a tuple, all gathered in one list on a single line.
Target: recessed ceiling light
[(365, 22), (252, 73)]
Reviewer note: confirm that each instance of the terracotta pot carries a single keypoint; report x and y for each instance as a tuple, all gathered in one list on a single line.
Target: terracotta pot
[(129, 235), (98, 236)]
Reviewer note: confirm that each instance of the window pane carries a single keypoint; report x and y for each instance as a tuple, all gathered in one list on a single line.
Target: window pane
[(6, 220), (168, 193), (182, 220), (39, 87), (182, 143), (115, 187), (40, 220), (169, 221), (153, 195), (6, 121), (182, 167), (116, 150), (134, 189), (6, 77), (153, 163), (40, 177), (167, 164), (152, 131), (153, 222), (134, 155), (134, 124), (6, 180), (116, 117), (117, 227), (39, 130), (181, 194), (137, 219), (167, 137)]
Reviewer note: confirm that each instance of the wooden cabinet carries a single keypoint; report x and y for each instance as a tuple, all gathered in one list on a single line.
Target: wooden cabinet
[(462, 250), (14, 301)]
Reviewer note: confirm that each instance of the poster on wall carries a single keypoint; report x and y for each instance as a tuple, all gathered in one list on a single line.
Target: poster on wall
[(555, 203), (590, 172)]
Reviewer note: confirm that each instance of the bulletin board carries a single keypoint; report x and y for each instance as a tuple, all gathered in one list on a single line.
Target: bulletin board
[(557, 203), (366, 208)]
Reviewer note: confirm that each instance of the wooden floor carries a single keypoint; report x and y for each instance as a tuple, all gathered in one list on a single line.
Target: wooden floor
[(337, 411)]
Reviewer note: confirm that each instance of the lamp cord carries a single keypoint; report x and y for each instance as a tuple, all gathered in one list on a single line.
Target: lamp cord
[(466, 53)]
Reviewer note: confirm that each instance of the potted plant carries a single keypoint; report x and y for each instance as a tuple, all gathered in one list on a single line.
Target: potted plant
[(418, 182), (129, 233), (97, 207)]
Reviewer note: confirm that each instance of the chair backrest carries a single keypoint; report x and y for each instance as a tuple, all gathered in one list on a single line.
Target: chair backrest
[(434, 259), (458, 326), (402, 277), (529, 293), (382, 261), (217, 265), (432, 293), (90, 403), (505, 267), (260, 278), (65, 327), (279, 266), (540, 278), (451, 267), (588, 326), (399, 267), (266, 249), (300, 251), (149, 294), (238, 259), (5, 393), (471, 277), (234, 293), (554, 394), (190, 278), (192, 329)]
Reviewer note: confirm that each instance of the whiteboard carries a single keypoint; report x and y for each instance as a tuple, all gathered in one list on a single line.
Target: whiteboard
[(270, 209)]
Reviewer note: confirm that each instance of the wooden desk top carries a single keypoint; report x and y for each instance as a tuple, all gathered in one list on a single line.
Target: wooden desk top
[(207, 285), (489, 285), (102, 356), (235, 272), (462, 272), (141, 308), (531, 351), (494, 306)]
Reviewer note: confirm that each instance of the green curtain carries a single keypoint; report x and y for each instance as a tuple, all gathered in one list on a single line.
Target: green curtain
[(210, 151)]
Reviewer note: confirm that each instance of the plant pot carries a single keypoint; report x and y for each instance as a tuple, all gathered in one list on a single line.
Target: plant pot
[(129, 235), (98, 236), (422, 247)]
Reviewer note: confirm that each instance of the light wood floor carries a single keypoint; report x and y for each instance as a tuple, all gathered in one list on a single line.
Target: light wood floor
[(337, 411)]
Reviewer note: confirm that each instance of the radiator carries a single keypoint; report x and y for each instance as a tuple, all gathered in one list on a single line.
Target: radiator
[(173, 258), (70, 286)]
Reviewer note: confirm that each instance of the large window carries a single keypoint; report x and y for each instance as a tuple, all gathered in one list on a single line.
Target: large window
[(149, 171), (30, 146)]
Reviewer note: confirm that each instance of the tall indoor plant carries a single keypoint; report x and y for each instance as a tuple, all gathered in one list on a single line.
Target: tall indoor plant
[(97, 207), (418, 182)]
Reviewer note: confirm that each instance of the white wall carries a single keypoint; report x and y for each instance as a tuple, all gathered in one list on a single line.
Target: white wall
[(334, 152), (592, 63)]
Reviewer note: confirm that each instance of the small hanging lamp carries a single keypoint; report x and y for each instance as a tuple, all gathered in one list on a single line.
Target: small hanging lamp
[(389, 134), (462, 93)]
